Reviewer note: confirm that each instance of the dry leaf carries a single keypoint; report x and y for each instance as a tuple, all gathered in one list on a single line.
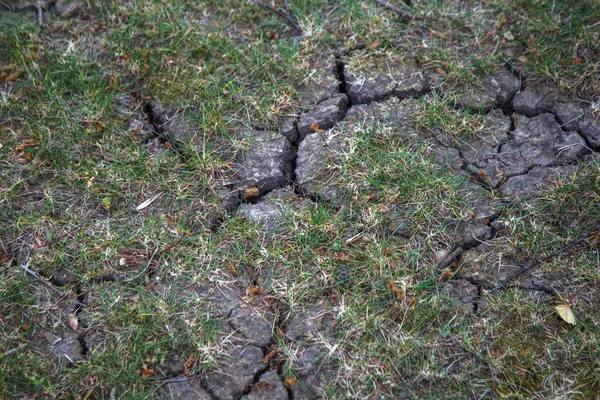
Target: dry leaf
[(187, 366), (147, 203), (315, 128), (440, 71), (269, 356), (251, 192), (565, 312), (146, 372), (374, 44), (72, 321), (289, 382)]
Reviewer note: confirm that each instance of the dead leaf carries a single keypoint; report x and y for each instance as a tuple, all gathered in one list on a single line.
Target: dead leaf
[(289, 382), (146, 372), (565, 312), (147, 203), (251, 192), (440, 71), (73, 321), (315, 128), (269, 356), (374, 44), (187, 366)]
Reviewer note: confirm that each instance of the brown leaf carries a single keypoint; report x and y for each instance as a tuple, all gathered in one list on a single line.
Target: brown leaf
[(146, 372), (374, 44), (187, 366), (269, 356), (289, 382), (315, 128), (251, 192), (72, 321)]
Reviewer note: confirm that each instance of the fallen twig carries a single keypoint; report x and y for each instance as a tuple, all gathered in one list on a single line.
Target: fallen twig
[(38, 277), (449, 259), (546, 258), (392, 7), (287, 16)]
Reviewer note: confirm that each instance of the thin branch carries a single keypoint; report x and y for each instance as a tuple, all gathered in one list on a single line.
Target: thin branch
[(392, 7), (546, 258), (38, 277), (287, 17)]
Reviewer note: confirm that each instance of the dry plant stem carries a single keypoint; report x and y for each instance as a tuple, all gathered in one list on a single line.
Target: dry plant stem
[(392, 7), (450, 258), (38, 277), (546, 258), (287, 17)]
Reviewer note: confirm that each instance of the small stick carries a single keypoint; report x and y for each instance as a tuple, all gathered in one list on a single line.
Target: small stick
[(450, 258), (392, 7), (546, 258), (38, 277), (287, 17)]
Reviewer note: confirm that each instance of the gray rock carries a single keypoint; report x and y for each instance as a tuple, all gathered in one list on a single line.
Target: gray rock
[(471, 234), (325, 114), (312, 322), (479, 99), (589, 128), (252, 325), (236, 373), (189, 389), (537, 141), (394, 112), (226, 298), (321, 84), (568, 113), (313, 176), (173, 366), (506, 85), (267, 164), (530, 184), (479, 150), (399, 225), (288, 127), (284, 193), (267, 214), (65, 8), (269, 387), (64, 345), (314, 372), (378, 80), (172, 124), (462, 290), (446, 156), (534, 100)]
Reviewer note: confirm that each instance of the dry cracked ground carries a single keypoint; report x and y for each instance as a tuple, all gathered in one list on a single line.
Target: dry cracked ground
[(527, 138)]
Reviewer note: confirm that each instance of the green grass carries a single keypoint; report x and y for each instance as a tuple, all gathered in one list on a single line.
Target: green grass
[(72, 175)]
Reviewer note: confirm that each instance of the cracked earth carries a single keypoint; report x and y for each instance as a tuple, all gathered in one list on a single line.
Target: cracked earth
[(532, 137)]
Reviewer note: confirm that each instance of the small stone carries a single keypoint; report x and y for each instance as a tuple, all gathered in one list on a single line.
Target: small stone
[(313, 175), (66, 8), (269, 387), (506, 85), (471, 234), (534, 101), (323, 116), (267, 214), (568, 114), (189, 389), (235, 373), (253, 326), (321, 84), (313, 322), (589, 128), (289, 128), (267, 164), (377, 80), (315, 374), (480, 100)]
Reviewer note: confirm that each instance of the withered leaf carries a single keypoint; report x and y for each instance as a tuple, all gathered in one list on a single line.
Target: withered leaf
[(315, 128)]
